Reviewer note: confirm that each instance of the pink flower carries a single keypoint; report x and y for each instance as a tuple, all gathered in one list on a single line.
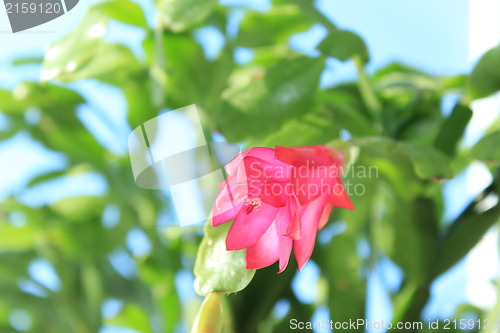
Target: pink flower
[(279, 199)]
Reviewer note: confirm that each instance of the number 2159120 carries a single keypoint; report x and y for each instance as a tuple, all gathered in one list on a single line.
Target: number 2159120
[(32, 7), (471, 324)]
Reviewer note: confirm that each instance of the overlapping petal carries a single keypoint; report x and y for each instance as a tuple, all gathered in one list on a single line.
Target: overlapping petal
[(309, 156), (279, 199), (249, 227), (310, 215), (266, 251)]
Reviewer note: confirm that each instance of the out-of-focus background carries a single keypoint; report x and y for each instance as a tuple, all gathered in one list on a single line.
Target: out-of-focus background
[(410, 89)]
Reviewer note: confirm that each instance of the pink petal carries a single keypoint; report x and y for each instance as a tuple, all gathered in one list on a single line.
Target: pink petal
[(309, 155), (310, 217), (293, 230), (265, 170), (283, 220), (285, 248), (266, 251), (263, 153), (325, 216), (288, 220), (339, 197), (266, 154), (310, 183), (228, 202), (276, 194), (226, 216), (247, 228), (232, 191), (272, 246), (233, 165)]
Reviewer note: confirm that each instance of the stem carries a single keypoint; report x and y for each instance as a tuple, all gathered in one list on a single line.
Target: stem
[(367, 91), (497, 307), (492, 315), (209, 318), (158, 68)]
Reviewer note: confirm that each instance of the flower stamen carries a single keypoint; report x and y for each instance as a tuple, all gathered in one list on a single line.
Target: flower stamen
[(252, 204)]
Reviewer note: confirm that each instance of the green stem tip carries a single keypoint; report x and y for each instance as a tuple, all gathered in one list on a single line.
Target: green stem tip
[(209, 318)]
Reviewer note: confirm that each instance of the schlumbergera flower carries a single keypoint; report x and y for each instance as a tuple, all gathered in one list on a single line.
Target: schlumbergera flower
[(279, 199)]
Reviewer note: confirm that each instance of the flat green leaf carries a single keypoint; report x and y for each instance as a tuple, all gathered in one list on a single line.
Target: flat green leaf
[(413, 241), (187, 76), (48, 176), (81, 63), (259, 100), (83, 53), (179, 15), (132, 316), (273, 286), (397, 78), (458, 82), (124, 11), (343, 45), (56, 102), (273, 27), (406, 231), (347, 289), (399, 68), (51, 175), (27, 61), (6, 135), (9, 103), (77, 207), (485, 77), (391, 164), (487, 149), (360, 190), (82, 148), (452, 129), (170, 304), (16, 239), (465, 233), (429, 163), (57, 106), (315, 127), (219, 270), (346, 109)]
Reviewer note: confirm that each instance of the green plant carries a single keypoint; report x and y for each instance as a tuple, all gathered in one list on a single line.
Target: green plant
[(393, 117)]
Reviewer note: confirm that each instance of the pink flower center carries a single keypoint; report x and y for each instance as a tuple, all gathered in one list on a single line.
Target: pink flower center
[(252, 204)]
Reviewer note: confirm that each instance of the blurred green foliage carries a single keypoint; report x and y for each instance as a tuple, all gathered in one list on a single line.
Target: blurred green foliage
[(394, 118)]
